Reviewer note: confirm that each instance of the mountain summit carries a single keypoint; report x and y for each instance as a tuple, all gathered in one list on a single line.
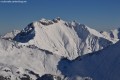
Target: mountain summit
[(68, 39)]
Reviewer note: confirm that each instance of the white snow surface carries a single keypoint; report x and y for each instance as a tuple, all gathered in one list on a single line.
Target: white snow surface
[(39, 48), (24, 59)]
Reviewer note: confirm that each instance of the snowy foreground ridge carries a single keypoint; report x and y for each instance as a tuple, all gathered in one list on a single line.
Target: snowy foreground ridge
[(59, 50)]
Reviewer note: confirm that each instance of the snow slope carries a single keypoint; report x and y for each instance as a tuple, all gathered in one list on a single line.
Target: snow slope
[(62, 38), (16, 61), (100, 65), (113, 35)]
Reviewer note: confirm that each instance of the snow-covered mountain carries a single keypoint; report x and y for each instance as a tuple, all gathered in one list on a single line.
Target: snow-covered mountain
[(100, 65), (26, 61), (113, 35), (62, 38), (36, 51), (10, 35)]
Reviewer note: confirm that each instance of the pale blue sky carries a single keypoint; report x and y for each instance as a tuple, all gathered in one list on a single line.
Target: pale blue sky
[(98, 14)]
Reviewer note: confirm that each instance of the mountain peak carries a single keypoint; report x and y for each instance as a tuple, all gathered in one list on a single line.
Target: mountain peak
[(47, 22), (57, 36), (10, 35)]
